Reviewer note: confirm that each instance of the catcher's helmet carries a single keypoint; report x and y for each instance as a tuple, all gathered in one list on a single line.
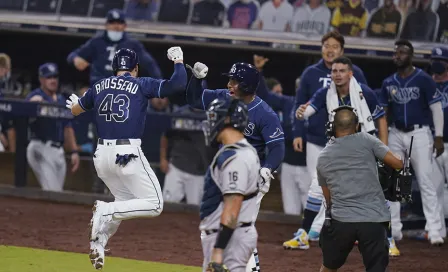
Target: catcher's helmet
[(234, 110), (247, 76), (124, 60)]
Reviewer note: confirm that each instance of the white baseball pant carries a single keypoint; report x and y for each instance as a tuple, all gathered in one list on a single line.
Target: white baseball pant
[(180, 184), (295, 184), (442, 171), (48, 164), (253, 260), (135, 186), (238, 251), (425, 167), (315, 192)]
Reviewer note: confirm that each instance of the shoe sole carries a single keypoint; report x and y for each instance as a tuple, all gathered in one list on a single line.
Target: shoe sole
[(295, 248)]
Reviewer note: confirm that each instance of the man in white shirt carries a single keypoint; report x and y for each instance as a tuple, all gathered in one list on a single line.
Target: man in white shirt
[(275, 15), (312, 18)]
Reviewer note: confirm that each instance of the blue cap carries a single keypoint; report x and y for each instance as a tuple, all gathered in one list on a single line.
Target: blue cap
[(48, 70), (115, 16), (440, 53)]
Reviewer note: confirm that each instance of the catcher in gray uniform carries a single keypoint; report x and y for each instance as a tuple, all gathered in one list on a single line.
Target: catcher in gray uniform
[(228, 233)]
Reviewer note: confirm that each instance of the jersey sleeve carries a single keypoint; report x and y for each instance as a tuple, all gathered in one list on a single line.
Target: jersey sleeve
[(271, 128), (234, 176), (150, 87), (209, 95), (87, 101), (319, 99), (375, 108), (379, 149), (320, 178), (430, 89), (87, 50)]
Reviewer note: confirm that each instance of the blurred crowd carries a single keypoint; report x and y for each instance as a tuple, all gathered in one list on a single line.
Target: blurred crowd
[(418, 20)]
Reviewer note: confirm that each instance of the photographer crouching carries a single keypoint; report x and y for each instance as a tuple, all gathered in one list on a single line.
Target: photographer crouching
[(356, 207)]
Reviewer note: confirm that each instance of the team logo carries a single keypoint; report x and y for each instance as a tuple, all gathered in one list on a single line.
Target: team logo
[(249, 130), (233, 69), (51, 68), (277, 133), (403, 95), (115, 15), (438, 51), (444, 98)]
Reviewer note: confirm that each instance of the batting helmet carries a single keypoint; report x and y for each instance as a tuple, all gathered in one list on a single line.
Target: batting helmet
[(247, 76), (223, 113), (124, 60)]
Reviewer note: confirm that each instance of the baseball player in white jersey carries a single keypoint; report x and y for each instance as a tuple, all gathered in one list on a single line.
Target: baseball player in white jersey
[(120, 104), (312, 18), (414, 105), (228, 233)]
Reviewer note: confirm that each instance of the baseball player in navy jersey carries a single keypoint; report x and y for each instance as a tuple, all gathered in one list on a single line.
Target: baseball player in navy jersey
[(294, 177), (45, 152), (228, 234), (313, 78), (439, 69), (99, 51), (120, 103), (263, 131), (411, 97)]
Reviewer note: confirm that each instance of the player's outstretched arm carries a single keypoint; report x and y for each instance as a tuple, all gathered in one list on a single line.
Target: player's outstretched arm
[(72, 103), (178, 81)]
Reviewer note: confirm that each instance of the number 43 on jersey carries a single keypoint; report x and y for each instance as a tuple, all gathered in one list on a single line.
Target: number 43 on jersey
[(115, 108)]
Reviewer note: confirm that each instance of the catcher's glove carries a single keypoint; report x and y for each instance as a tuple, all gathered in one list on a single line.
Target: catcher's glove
[(216, 267)]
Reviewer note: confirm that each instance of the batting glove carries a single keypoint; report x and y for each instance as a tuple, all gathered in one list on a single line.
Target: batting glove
[(71, 101), (199, 70), (216, 267), (175, 53), (266, 177)]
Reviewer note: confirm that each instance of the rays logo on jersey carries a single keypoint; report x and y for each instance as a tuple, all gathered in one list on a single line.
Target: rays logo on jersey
[(403, 95), (326, 81)]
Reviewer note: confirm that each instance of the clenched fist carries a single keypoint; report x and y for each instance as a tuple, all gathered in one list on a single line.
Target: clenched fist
[(175, 54), (199, 70)]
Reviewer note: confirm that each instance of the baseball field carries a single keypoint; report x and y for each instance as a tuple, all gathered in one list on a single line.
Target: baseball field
[(45, 236)]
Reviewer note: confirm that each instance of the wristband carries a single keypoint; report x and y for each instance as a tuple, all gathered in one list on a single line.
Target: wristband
[(224, 235)]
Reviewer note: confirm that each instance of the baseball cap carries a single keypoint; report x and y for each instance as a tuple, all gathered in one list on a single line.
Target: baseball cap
[(115, 16), (440, 53), (48, 70)]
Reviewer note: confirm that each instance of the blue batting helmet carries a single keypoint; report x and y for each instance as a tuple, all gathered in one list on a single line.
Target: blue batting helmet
[(247, 76), (223, 113), (124, 60)]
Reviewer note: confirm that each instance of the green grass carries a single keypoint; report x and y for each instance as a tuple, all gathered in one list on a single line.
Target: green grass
[(22, 259)]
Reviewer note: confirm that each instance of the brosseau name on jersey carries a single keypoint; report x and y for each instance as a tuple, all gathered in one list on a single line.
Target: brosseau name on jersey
[(116, 83)]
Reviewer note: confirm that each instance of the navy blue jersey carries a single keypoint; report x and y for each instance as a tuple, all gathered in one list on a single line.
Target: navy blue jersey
[(442, 88), (312, 79), (121, 102), (408, 99), (46, 129), (263, 130), (283, 105), (319, 101), (99, 51), (81, 125)]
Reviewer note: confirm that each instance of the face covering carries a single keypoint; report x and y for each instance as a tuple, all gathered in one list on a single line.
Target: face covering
[(114, 36), (438, 67)]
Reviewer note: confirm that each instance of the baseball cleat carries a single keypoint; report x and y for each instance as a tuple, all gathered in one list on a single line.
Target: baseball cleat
[(393, 249), (300, 241), (436, 241), (97, 238)]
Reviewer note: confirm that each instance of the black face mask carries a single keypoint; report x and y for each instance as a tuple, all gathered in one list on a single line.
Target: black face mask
[(438, 67)]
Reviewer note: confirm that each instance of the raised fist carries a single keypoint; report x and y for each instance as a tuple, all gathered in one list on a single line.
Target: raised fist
[(199, 70), (175, 54)]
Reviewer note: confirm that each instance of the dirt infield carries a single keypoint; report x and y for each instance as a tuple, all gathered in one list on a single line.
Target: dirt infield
[(174, 238)]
